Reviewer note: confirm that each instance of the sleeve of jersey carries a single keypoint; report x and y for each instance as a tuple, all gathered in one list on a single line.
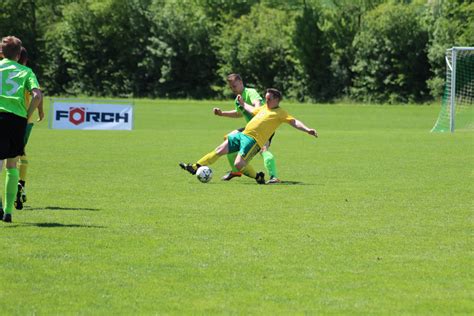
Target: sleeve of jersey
[(32, 82), (254, 96), (287, 118)]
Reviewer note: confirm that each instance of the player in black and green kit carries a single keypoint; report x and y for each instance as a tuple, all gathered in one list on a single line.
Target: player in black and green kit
[(15, 79), (23, 162), (253, 98)]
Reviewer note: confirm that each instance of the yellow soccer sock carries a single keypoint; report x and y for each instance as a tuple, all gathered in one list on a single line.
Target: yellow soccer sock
[(249, 171), (23, 166), (209, 159)]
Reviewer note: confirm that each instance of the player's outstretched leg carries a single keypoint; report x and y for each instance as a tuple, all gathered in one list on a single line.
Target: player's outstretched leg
[(190, 167)]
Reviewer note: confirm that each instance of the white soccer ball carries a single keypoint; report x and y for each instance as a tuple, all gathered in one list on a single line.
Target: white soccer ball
[(204, 174)]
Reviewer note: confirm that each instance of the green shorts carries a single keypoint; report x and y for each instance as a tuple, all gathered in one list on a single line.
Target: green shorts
[(245, 145), (29, 127)]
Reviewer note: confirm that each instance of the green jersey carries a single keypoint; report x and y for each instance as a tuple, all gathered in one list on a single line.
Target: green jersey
[(15, 79), (249, 96)]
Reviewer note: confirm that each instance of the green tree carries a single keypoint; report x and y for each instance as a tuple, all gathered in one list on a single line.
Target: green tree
[(102, 44), (259, 46), (181, 56), (313, 52), (451, 23), (391, 63)]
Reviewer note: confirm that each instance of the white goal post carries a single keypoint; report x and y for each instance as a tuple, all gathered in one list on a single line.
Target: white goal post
[(457, 108)]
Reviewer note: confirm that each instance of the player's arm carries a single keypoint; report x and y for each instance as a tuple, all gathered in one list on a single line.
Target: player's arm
[(40, 110), (257, 103), (247, 107), (233, 113), (299, 125), (36, 99)]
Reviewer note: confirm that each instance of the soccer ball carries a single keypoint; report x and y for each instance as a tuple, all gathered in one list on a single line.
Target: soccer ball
[(204, 174)]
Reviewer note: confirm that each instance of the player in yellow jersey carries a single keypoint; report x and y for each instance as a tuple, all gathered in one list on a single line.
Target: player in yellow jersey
[(257, 132), (23, 163), (251, 97)]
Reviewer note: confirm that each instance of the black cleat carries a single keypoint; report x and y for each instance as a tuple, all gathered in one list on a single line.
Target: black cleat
[(260, 178), (19, 200), (191, 168), (1, 214), (7, 218)]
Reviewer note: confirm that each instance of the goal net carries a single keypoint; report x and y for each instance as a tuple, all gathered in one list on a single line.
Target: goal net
[(457, 107)]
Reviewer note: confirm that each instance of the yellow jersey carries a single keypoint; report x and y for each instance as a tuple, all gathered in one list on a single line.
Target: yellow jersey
[(265, 122)]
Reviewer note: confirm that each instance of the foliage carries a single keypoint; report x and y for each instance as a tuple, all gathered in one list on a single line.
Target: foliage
[(181, 58), (311, 49), (259, 47), (103, 44), (313, 53), (391, 62), (451, 24)]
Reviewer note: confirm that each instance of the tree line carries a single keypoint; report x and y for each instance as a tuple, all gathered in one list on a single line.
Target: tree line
[(371, 51)]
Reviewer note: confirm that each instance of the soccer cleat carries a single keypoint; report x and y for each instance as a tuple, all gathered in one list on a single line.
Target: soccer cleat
[(19, 200), (1, 214), (273, 180), (191, 168), (23, 195), (7, 218), (229, 175), (260, 178)]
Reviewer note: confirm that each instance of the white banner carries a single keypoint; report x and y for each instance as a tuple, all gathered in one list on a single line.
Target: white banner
[(91, 116)]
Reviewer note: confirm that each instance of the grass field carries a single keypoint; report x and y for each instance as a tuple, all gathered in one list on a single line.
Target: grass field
[(375, 218)]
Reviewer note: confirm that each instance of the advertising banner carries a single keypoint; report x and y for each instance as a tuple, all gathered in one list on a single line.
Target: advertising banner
[(91, 116)]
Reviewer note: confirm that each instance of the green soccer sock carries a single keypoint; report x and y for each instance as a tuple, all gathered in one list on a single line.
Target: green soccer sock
[(11, 187), (231, 157), (270, 165)]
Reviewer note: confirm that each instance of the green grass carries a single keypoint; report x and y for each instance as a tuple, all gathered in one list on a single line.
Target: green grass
[(376, 217)]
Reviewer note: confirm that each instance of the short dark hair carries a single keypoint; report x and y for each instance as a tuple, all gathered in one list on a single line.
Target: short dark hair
[(11, 47), (233, 77), (23, 56), (275, 93)]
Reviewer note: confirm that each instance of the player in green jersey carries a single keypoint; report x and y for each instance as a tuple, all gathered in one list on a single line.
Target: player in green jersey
[(15, 79), (23, 162), (253, 98)]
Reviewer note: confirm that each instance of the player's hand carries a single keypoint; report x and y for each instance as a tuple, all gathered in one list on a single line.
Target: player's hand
[(240, 100), (40, 114), (217, 111), (313, 132)]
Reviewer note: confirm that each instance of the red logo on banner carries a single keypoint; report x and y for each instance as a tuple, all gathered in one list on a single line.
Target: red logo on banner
[(77, 115)]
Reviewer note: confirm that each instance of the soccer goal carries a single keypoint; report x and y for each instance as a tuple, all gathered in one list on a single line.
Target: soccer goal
[(457, 108)]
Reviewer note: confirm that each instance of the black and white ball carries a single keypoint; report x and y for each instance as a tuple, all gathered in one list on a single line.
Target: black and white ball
[(204, 174)]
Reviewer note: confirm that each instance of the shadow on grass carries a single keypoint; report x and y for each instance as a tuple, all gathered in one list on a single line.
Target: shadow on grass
[(283, 182), (51, 225), (58, 208)]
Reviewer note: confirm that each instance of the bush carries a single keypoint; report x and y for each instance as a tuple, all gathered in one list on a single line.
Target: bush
[(181, 57), (391, 61), (259, 46)]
